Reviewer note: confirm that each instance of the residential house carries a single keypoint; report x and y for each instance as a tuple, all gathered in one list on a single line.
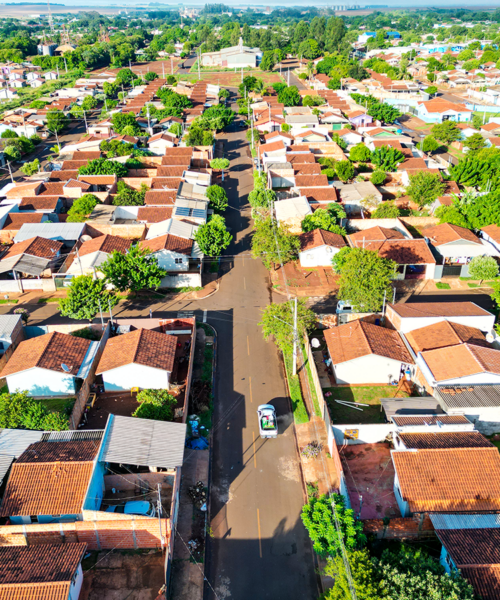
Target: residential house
[(310, 136), (159, 142), (141, 359), (92, 253), (67, 233), (359, 118), (34, 257), (11, 332), (415, 315), (352, 195), (491, 233), (447, 480), (292, 211), (454, 247), (277, 136), (363, 353), (41, 204), (438, 110), (239, 56), (51, 75), (50, 365), (480, 403), (42, 571), (318, 247), (36, 83)]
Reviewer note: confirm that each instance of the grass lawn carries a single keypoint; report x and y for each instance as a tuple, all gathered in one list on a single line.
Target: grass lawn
[(298, 406), (310, 380), (56, 404), (371, 395), (3, 301), (444, 286)]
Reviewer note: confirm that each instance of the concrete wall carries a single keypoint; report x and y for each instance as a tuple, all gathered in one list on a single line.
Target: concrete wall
[(416, 527), (168, 260), (134, 375), (484, 323), (367, 433), (42, 382), (318, 257), (371, 369), (182, 280), (485, 419), (131, 232)]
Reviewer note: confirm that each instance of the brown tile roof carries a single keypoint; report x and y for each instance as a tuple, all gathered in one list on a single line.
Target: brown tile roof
[(160, 197), (168, 242), (63, 175), (358, 338), (154, 214), (105, 243), (52, 189), (442, 334), (98, 179), (493, 231), (412, 163), (38, 203), (475, 547), (402, 421), (375, 234), (48, 351), (178, 152), (15, 221), (39, 563), (275, 134), (298, 158), (461, 361), (311, 181), (440, 105), (176, 161), (438, 309), (36, 246), (454, 480), (170, 183), (452, 439), (490, 126), (484, 580), (403, 252), (272, 147), (143, 347), (319, 194), (86, 155), (170, 171), (60, 488), (320, 237), (73, 164), (446, 233), (74, 451), (307, 169)]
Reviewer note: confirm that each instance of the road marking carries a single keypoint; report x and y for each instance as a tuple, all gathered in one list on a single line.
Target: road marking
[(248, 346), (205, 316), (260, 540), (244, 283), (254, 451), (250, 383)]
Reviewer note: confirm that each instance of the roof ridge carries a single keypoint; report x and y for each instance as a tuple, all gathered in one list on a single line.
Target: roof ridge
[(136, 351), (49, 342), (362, 325)]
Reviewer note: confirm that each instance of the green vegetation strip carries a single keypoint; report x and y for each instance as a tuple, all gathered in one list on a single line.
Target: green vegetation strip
[(9, 301), (443, 286), (298, 406), (310, 379)]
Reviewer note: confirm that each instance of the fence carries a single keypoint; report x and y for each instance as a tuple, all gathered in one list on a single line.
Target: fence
[(418, 526), (83, 394), (315, 377)]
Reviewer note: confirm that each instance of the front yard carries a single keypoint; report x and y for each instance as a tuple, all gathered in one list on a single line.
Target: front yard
[(371, 395)]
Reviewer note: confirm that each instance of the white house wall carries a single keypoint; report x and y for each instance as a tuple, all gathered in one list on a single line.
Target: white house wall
[(42, 382), (367, 434), (167, 258), (368, 369), (76, 586), (133, 375), (464, 249), (485, 419), (318, 257)]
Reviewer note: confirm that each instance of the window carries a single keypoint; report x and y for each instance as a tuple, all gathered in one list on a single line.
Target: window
[(34, 519), (178, 261)]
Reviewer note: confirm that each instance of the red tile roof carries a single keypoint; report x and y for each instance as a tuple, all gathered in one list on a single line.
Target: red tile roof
[(454, 480), (472, 547), (320, 237), (160, 197), (463, 360), (452, 439), (105, 243), (36, 246), (143, 347), (73, 451), (48, 351), (62, 175), (438, 309), (375, 234), (168, 242), (442, 334), (311, 181), (15, 221), (484, 580), (39, 203), (170, 171), (319, 194), (154, 214), (446, 233), (170, 183)]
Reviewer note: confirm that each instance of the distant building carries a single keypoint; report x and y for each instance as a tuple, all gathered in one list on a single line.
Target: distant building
[(47, 49), (236, 56)]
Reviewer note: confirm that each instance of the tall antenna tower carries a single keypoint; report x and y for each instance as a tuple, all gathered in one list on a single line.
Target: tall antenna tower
[(51, 23)]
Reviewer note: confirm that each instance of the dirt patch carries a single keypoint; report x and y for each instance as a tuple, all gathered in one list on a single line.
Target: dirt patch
[(231, 79), (116, 575), (156, 66)]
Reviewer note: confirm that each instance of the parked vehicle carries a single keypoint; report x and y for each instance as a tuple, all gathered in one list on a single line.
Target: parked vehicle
[(268, 424), (135, 507)]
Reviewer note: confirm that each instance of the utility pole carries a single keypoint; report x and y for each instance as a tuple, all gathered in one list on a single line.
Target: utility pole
[(110, 312), (79, 260), (100, 310), (163, 69), (10, 172), (85, 119), (65, 64), (288, 78), (199, 64), (149, 122), (159, 510), (295, 336)]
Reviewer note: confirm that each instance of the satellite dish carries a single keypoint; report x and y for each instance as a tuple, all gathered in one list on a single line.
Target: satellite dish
[(86, 238), (490, 336), (65, 368), (315, 343)]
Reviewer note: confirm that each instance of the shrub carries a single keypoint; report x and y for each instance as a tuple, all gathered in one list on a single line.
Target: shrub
[(378, 177), (155, 404)]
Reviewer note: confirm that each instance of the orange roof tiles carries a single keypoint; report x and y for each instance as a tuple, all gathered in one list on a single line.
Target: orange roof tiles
[(143, 347), (168, 242), (375, 234), (48, 351), (438, 309), (15, 221), (320, 237), (453, 480), (154, 214), (311, 181), (484, 580), (359, 338), (454, 362), (162, 183), (105, 243), (36, 246), (442, 334), (39, 203), (164, 171), (493, 231), (160, 197), (446, 233), (319, 194)]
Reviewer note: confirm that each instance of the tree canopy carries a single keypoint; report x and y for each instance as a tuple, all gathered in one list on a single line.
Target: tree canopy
[(274, 243), (84, 295), (277, 323), (103, 166), (20, 411), (217, 198), (213, 237), (326, 219), (425, 187), (134, 270)]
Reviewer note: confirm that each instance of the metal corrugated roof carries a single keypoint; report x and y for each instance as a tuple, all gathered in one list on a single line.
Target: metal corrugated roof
[(144, 442), (5, 462), (15, 441), (465, 396), (50, 231), (410, 406), (465, 521), (7, 325), (31, 265)]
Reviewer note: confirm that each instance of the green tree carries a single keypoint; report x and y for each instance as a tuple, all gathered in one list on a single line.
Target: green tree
[(56, 121), (360, 153), (430, 144), (289, 96), (387, 158), (425, 187), (30, 168), (277, 323), (319, 520), (219, 164), (431, 90), (386, 210), (312, 101), (446, 132), (125, 76), (344, 170), (122, 120), (82, 208), (8, 133), (483, 267), (452, 215), (322, 219), (151, 76), (363, 577), (20, 411), (384, 112), (158, 405), (130, 197), (274, 243), (472, 172), (475, 142), (378, 177), (213, 237), (217, 197), (84, 295), (102, 166), (268, 61), (134, 270), (365, 277), (89, 103)]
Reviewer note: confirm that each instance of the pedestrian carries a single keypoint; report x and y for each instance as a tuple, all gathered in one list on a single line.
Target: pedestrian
[(150, 314)]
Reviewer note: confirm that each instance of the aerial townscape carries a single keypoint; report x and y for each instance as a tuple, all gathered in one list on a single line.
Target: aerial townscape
[(249, 293)]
